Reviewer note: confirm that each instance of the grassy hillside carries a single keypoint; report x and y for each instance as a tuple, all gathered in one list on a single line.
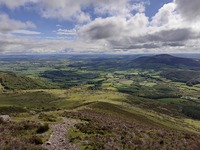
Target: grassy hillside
[(106, 117), (116, 128), (20, 135), (162, 61), (11, 81), (188, 77), (30, 100)]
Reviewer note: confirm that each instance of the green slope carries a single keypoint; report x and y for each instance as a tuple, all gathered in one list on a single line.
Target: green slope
[(110, 126), (164, 60), (11, 81), (186, 76)]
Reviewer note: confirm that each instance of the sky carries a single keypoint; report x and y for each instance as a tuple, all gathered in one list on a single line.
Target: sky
[(99, 26)]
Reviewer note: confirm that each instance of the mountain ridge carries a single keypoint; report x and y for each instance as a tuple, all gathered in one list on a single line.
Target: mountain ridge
[(161, 60)]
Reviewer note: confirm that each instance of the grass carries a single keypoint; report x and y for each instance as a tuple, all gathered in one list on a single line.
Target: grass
[(20, 135), (53, 99), (126, 82), (11, 110), (11, 81), (47, 117), (189, 77), (42, 128), (1, 88), (31, 100), (78, 96), (171, 100), (114, 127), (75, 136), (149, 84), (169, 116)]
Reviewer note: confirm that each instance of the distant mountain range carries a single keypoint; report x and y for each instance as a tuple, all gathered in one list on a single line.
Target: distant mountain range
[(165, 60)]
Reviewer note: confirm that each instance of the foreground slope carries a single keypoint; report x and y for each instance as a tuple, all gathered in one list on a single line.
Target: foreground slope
[(109, 126)]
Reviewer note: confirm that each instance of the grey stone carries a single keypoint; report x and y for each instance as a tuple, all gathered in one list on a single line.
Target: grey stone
[(5, 118)]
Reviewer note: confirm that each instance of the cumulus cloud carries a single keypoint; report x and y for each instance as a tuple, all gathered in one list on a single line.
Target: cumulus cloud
[(63, 10), (165, 15), (71, 32), (8, 25), (158, 40), (170, 35), (26, 32), (112, 26), (167, 29), (102, 28), (190, 9), (75, 9)]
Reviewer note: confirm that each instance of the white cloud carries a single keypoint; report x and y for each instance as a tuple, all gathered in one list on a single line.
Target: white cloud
[(63, 10), (102, 28), (8, 25), (12, 4), (120, 26), (114, 27), (26, 32), (166, 30), (12, 44), (75, 9), (71, 32), (165, 15)]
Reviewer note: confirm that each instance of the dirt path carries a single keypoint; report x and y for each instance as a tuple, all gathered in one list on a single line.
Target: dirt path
[(57, 140)]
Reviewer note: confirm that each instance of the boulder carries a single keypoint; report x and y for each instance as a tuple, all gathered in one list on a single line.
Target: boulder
[(5, 118)]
